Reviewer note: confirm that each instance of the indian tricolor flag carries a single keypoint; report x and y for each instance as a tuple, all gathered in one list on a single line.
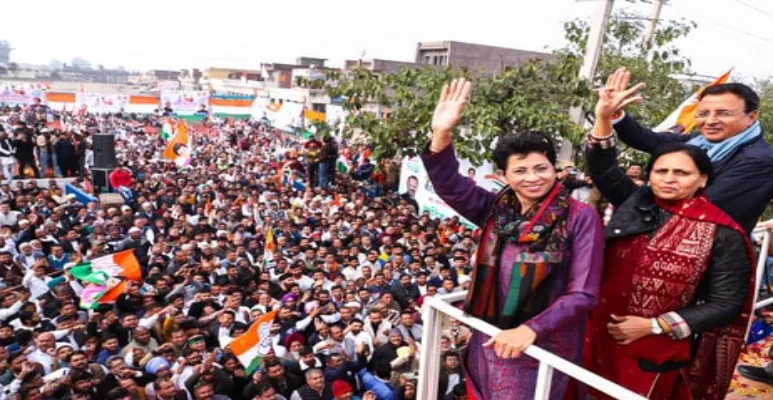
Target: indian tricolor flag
[(344, 164), (253, 345), (106, 277), (683, 119), (179, 147), (167, 130)]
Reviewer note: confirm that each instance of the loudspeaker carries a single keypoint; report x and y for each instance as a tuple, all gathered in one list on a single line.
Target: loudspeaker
[(100, 178), (104, 151)]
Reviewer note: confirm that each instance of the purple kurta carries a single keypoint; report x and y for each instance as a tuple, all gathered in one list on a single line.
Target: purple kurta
[(560, 327)]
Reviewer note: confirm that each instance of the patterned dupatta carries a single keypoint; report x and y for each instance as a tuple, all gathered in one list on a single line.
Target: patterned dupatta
[(717, 353), (649, 277), (543, 231)]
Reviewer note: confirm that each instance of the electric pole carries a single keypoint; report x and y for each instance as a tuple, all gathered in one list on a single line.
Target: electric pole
[(588, 70), (657, 7)]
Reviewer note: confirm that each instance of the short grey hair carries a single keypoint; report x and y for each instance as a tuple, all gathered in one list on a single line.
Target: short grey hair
[(313, 371)]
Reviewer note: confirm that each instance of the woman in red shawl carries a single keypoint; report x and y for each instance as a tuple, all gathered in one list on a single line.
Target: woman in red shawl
[(677, 289)]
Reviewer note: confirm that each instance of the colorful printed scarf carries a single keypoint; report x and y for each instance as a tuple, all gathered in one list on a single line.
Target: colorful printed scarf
[(543, 229), (649, 276)]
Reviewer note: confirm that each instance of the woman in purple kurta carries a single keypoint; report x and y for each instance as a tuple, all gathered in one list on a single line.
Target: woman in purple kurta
[(539, 263)]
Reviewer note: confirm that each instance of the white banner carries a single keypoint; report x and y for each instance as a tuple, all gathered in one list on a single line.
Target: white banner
[(414, 180), (184, 102), (98, 103), (21, 93)]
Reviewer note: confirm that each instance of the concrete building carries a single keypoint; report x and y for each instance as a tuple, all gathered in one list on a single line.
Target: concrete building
[(233, 74), (5, 52), (378, 65), (311, 62), (473, 57)]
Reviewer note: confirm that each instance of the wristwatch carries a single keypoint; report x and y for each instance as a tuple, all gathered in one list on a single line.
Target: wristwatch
[(656, 328)]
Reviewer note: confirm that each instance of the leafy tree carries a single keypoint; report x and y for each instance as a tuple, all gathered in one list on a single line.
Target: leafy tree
[(765, 90), (392, 112), (659, 66)]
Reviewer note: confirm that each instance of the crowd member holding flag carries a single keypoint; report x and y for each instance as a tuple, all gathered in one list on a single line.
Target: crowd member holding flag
[(728, 130), (222, 278)]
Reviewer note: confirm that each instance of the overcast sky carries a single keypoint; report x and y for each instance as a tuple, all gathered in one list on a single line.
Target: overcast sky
[(147, 34)]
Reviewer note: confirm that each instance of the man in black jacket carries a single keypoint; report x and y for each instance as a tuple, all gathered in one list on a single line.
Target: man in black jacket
[(284, 384), (315, 387), (728, 131), (25, 153), (731, 135)]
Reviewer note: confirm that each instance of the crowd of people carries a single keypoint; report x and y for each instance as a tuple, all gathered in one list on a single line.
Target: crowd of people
[(261, 221), (352, 263)]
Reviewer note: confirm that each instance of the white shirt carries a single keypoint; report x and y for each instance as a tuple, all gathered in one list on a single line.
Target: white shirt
[(37, 286), (43, 359)]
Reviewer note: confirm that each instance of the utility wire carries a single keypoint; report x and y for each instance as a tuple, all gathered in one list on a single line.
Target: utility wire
[(751, 7)]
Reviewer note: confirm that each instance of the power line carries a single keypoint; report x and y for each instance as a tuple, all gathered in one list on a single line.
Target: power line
[(732, 28), (751, 7)]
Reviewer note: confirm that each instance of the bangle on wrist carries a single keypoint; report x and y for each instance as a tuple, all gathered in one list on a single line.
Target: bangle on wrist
[(603, 143)]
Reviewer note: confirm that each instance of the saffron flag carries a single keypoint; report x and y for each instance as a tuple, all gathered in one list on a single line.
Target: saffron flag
[(268, 253), (179, 147), (253, 345), (682, 120)]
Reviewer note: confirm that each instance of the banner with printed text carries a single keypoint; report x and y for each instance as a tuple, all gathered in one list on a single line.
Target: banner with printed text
[(99, 103), (21, 93), (415, 182), (184, 102)]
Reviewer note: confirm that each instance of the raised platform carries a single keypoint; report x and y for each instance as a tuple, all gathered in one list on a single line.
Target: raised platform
[(44, 182)]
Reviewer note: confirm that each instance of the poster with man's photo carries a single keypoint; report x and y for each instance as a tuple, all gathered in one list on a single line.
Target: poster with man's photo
[(416, 184)]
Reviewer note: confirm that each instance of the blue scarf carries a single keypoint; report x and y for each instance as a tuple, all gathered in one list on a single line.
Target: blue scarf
[(719, 150)]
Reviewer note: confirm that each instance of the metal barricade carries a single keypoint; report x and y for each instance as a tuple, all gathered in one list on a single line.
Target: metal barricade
[(429, 364)]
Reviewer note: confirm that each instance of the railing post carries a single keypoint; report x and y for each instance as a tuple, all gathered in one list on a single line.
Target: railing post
[(761, 261), (544, 380), (429, 362)]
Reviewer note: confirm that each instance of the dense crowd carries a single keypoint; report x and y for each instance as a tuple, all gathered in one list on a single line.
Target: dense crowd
[(351, 263)]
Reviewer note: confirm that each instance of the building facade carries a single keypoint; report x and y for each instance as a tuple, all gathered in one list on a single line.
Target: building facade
[(475, 58)]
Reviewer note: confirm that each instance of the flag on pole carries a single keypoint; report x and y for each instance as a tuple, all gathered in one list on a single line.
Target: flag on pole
[(179, 147), (252, 346), (208, 207), (268, 253), (682, 120)]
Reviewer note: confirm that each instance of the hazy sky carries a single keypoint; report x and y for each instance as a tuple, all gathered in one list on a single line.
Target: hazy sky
[(144, 34)]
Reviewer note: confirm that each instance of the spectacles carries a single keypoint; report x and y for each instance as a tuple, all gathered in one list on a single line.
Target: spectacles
[(721, 114)]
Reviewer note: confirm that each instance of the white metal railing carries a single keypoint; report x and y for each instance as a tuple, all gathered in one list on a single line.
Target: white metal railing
[(430, 366), (437, 305), (761, 260)]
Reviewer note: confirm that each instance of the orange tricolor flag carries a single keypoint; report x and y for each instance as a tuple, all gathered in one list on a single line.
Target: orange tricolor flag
[(253, 345), (682, 120), (178, 147)]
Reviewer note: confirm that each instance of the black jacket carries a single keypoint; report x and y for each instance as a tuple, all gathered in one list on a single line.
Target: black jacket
[(722, 291), (743, 181)]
